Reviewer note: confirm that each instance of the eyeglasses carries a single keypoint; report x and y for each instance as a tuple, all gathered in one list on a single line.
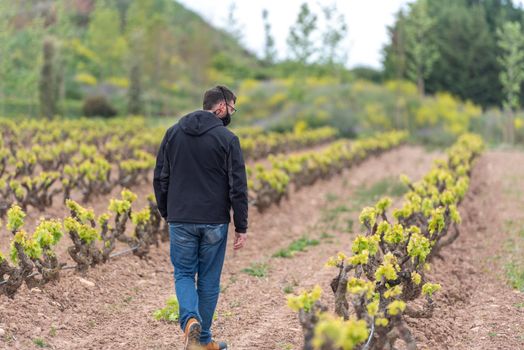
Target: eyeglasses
[(232, 108), (227, 104)]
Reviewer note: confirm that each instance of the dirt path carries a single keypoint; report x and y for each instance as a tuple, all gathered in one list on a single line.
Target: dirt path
[(115, 312), (477, 309)]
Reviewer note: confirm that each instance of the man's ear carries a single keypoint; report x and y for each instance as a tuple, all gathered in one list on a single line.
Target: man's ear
[(221, 106), (217, 110)]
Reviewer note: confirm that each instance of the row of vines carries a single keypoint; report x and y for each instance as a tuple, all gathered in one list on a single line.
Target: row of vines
[(33, 257), (269, 185), (377, 284), (83, 158)]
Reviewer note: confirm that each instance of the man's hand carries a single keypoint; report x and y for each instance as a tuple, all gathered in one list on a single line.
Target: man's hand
[(240, 240)]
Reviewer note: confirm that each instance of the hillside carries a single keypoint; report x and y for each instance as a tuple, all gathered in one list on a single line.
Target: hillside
[(156, 53)]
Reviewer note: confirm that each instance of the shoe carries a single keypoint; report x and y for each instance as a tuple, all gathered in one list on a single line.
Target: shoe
[(192, 334), (214, 345)]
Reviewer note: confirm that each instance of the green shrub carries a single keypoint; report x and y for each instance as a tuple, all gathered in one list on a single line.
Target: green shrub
[(98, 106)]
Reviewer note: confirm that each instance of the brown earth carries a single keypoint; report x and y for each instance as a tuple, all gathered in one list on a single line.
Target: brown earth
[(115, 313), (476, 308)]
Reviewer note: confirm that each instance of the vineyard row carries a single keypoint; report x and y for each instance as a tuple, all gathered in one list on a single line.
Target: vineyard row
[(386, 269)]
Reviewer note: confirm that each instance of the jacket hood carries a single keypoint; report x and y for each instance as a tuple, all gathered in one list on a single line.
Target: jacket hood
[(199, 122)]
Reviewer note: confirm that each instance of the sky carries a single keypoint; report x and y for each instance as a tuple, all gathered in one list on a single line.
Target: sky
[(367, 22)]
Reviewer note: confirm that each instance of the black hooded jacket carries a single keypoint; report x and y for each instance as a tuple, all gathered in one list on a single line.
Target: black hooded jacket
[(200, 173)]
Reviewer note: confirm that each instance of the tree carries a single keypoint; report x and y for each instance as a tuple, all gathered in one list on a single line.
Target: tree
[(511, 45), (464, 33), (497, 12), (5, 34), (269, 43), (47, 84), (20, 54), (61, 32), (395, 64), (152, 54), (134, 93), (394, 54), (233, 26), (467, 71), (104, 38), (300, 41), (334, 34), (421, 52)]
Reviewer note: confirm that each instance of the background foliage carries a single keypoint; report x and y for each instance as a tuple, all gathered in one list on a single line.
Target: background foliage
[(446, 67)]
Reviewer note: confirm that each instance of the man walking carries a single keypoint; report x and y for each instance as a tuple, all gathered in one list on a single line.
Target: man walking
[(199, 175)]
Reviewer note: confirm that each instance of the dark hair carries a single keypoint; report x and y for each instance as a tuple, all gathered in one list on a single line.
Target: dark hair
[(216, 94)]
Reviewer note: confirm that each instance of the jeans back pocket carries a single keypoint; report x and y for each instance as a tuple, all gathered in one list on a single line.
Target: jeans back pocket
[(214, 234)]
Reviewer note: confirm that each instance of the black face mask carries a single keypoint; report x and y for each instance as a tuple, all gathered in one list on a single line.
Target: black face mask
[(227, 119)]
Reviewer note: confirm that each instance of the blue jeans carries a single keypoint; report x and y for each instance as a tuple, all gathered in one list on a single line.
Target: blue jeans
[(198, 249)]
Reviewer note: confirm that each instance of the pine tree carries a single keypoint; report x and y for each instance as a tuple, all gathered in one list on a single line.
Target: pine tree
[(467, 71)]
